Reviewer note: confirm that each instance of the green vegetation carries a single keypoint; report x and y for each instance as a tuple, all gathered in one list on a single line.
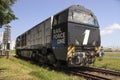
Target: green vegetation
[(108, 63), (112, 54), (12, 52), (17, 69), (112, 49), (6, 13)]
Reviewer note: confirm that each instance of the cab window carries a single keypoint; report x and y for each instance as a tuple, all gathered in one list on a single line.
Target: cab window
[(60, 18)]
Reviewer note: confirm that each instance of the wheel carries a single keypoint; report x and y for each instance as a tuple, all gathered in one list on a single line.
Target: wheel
[(18, 53), (51, 58), (33, 56), (44, 51)]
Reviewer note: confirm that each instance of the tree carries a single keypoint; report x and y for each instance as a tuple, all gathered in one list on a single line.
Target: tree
[(6, 13)]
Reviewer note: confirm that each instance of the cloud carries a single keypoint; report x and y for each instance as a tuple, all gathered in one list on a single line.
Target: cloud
[(112, 28)]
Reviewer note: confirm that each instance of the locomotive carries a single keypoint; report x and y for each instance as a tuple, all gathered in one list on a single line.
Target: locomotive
[(70, 37)]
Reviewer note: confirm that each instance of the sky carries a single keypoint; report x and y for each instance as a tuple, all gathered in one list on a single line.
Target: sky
[(32, 12)]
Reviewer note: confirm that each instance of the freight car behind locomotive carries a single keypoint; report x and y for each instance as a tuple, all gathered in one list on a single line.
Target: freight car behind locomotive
[(72, 36)]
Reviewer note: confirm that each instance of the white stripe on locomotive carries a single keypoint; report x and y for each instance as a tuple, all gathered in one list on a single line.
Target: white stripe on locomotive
[(86, 33)]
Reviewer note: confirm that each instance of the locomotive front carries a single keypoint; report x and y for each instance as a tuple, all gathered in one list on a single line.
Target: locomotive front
[(83, 36), (76, 36)]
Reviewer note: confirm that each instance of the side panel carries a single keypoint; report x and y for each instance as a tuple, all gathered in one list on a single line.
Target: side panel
[(39, 36), (60, 53), (42, 34), (59, 41), (28, 39), (32, 41), (48, 31)]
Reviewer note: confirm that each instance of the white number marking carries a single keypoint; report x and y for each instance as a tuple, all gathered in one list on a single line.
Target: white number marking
[(86, 33)]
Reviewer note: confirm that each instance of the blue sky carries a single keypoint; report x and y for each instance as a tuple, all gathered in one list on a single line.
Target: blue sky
[(32, 12)]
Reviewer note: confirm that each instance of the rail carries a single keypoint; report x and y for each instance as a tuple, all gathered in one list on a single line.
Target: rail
[(87, 75), (105, 71), (90, 73)]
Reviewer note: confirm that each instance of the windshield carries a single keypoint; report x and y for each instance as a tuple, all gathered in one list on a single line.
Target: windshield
[(81, 17)]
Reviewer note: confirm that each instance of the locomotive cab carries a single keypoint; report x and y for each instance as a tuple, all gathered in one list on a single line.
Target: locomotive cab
[(75, 36)]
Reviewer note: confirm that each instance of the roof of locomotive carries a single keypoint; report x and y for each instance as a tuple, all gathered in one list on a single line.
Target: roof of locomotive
[(78, 8)]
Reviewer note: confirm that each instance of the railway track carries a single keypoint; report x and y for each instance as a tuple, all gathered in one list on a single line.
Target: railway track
[(88, 76), (102, 74), (105, 71)]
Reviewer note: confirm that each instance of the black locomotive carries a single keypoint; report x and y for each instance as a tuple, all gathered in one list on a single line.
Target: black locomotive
[(72, 36)]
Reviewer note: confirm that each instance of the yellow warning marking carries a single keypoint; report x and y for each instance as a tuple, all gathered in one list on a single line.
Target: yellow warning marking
[(97, 49), (71, 50)]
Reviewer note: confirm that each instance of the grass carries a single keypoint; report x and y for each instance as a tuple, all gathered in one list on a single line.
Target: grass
[(108, 63), (12, 52), (17, 69), (112, 54)]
